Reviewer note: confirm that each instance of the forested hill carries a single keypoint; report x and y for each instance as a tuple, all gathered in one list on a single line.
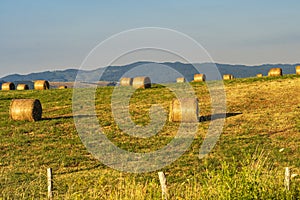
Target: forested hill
[(114, 73)]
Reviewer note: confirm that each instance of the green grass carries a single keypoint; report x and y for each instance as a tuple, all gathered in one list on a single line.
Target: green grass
[(263, 117)]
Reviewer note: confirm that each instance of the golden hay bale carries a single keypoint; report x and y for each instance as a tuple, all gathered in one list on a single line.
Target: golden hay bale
[(25, 110), (298, 70), (180, 80), (275, 72), (228, 77), (259, 75), (63, 87), (126, 81), (199, 77), (141, 82), (184, 110), (22, 87), (41, 85), (8, 86)]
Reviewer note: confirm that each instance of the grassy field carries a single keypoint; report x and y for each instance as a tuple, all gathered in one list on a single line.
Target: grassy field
[(261, 136)]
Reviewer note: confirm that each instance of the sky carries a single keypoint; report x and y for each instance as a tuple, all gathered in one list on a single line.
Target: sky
[(40, 35)]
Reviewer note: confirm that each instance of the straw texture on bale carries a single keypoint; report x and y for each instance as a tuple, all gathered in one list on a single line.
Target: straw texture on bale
[(63, 87), (125, 81), (8, 86), (22, 87), (41, 85), (275, 72), (259, 75), (141, 82), (228, 77), (298, 70), (199, 77), (180, 80), (25, 110), (184, 110)]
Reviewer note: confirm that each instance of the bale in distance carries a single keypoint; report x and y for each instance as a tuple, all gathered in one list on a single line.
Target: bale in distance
[(8, 86), (298, 70), (22, 87), (259, 75), (228, 77), (41, 85), (141, 82), (180, 80), (184, 110), (63, 87), (25, 110), (199, 77), (125, 81), (275, 72)]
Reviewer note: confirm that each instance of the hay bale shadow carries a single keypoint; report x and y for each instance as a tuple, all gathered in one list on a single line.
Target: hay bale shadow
[(68, 117), (217, 116)]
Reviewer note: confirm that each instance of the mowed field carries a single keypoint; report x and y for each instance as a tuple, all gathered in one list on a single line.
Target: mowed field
[(261, 137)]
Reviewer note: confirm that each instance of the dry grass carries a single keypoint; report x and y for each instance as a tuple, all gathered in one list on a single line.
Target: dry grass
[(258, 117), (266, 112)]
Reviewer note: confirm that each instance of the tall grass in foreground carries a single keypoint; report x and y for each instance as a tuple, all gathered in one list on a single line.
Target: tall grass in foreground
[(253, 178)]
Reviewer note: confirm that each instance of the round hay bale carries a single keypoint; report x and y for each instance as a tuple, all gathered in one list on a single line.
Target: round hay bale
[(199, 77), (22, 87), (259, 75), (275, 72), (180, 80), (41, 85), (25, 110), (228, 77), (63, 87), (8, 86), (184, 110), (141, 82), (298, 70), (126, 81)]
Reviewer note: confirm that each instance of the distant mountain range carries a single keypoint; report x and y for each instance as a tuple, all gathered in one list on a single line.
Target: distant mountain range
[(177, 69)]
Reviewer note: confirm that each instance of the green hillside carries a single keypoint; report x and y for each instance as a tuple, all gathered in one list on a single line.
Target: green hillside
[(260, 138)]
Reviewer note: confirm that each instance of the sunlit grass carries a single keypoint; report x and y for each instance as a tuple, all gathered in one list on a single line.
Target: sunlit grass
[(263, 117)]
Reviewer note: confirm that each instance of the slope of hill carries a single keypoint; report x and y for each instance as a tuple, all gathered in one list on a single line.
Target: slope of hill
[(114, 73), (260, 138)]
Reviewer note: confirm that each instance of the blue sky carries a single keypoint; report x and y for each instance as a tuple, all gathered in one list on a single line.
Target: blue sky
[(51, 35)]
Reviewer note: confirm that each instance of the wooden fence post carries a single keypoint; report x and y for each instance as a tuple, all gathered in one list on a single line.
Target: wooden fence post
[(287, 177), (50, 183), (163, 183)]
